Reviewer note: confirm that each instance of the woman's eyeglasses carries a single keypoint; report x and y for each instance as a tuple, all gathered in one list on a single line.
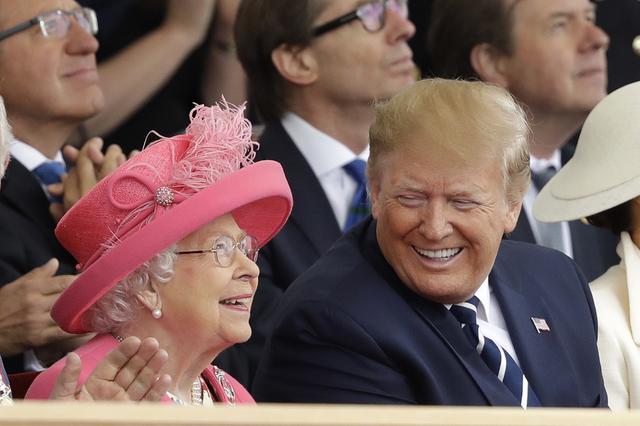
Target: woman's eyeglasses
[(224, 249), (371, 14), (57, 23)]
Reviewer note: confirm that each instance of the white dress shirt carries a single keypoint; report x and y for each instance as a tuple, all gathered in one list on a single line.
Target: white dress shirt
[(538, 165), (491, 321), (30, 157), (326, 157)]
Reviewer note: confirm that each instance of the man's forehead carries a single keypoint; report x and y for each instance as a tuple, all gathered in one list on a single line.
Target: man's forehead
[(14, 12), (334, 8), (547, 8)]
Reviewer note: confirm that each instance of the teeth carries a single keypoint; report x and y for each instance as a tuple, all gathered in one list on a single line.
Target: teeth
[(233, 302), (439, 254)]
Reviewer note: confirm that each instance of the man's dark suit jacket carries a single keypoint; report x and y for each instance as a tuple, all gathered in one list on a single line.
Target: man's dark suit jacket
[(309, 232), (594, 249), (26, 230), (349, 331)]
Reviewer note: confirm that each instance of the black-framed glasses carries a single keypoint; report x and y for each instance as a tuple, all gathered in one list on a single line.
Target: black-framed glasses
[(224, 249), (57, 23), (371, 14)]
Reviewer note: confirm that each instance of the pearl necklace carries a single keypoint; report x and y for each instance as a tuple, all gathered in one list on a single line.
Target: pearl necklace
[(197, 394)]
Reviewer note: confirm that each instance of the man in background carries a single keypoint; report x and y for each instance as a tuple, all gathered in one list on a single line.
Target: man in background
[(551, 56), (314, 69), (49, 84)]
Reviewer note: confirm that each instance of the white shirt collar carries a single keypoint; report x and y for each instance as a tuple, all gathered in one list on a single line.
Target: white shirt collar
[(323, 153), (539, 164), (30, 157)]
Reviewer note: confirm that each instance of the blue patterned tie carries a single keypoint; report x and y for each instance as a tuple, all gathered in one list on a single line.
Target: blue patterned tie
[(50, 172), (359, 207), (497, 359)]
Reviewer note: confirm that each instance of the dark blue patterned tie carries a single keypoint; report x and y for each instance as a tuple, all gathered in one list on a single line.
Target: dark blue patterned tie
[(50, 172), (359, 207), (497, 359)]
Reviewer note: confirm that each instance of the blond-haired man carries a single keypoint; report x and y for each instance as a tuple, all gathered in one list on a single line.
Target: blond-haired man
[(425, 303)]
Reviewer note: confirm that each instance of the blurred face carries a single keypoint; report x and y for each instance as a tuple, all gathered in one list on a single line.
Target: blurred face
[(47, 78), (440, 220), (210, 301), (359, 66), (559, 63)]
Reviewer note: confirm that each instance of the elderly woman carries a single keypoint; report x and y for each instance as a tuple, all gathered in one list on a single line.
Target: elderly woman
[(602, 183), (166, 247)]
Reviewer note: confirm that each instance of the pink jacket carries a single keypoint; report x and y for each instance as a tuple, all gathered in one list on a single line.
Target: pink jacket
[(227, 390)]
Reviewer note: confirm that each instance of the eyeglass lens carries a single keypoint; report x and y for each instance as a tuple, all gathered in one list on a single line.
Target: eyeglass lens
[(224, 249), (372, 14), (57, 23)]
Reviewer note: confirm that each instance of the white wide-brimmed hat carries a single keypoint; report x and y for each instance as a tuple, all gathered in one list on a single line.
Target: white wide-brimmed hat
[(605, 169)]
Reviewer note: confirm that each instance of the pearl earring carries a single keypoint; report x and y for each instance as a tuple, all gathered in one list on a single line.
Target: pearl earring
[(156, 313)]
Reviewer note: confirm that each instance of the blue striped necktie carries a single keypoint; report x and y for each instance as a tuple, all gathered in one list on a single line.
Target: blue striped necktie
[(497, 359), (359, 207), (50, 172)]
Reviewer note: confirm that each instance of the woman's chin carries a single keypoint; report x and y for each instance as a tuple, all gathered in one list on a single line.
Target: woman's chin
[(237, 336)]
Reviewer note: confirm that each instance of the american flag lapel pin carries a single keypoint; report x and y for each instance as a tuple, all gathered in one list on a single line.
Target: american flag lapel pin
[(540, 324)]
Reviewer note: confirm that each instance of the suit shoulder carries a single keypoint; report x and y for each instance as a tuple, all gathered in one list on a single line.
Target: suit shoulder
[(539, 264), (533, 254)]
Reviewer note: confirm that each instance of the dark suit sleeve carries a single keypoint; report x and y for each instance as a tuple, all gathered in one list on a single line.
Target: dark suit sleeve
[(13, 255), (320, 354)]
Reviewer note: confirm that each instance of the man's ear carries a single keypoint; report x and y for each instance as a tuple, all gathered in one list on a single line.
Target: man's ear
[(295, 64), (488, 63), (150, 297), (512, 216)]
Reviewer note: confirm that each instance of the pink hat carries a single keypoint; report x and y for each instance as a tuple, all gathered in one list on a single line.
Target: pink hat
[(167, 191)]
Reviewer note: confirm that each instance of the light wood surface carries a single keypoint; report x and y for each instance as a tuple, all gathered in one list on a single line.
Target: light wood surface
[(49, 414)]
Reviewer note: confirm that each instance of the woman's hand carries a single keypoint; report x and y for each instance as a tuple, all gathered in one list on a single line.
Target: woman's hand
[(127, 373)]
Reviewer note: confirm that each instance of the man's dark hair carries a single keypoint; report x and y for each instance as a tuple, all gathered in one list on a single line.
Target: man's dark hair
[(456, 26), (262, 26), (617, 219)]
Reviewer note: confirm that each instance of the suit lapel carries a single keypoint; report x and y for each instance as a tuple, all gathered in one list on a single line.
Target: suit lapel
[(23, 192), (542, 356), (448, 329), (312, 214)]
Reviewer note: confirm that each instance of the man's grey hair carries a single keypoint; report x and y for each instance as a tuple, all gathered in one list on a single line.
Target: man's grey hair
[(120, 305)]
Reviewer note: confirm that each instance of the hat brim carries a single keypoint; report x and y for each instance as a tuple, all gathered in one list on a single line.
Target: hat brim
[(556, 204), (258, 197)]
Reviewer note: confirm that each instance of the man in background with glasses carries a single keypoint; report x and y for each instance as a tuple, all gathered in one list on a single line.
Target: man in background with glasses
[(314, 69), (49, 83)]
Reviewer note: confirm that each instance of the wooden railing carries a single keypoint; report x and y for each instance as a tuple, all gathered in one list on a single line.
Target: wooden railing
[(49, 414)]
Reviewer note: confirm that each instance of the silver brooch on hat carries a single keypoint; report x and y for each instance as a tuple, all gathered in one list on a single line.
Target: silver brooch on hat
[(164, 196)]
